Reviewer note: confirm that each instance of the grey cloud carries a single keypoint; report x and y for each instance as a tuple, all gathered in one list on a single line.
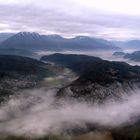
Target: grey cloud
[(54, 17)]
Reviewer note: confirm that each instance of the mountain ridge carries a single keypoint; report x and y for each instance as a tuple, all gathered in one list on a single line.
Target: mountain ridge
[(98, 79), (35, 41)]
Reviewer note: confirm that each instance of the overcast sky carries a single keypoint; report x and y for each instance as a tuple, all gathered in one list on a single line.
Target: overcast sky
[(109, 19)]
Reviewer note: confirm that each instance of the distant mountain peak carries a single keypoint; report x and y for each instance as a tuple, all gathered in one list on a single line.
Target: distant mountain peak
[(35, 41), (28, 33)]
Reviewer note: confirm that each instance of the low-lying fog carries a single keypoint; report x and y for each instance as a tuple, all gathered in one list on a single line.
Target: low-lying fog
[(36, 113), (106, 55)]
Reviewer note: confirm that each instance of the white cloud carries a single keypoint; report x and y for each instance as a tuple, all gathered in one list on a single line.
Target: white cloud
[(34, 113), (130, 7)]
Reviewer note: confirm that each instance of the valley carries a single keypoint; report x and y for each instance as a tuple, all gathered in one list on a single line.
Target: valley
[(53, 88), (69, 70), (66, 86)]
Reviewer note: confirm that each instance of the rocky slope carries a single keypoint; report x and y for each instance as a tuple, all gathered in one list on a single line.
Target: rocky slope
[(18, 72), (99, 79)]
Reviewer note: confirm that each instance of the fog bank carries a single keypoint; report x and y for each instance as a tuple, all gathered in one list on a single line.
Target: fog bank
[(35, 113)]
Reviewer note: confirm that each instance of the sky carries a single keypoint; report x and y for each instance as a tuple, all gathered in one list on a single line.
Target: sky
[(108, 19)]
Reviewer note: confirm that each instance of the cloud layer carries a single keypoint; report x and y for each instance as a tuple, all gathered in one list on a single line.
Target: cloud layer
[(72, 17), (36, 113)]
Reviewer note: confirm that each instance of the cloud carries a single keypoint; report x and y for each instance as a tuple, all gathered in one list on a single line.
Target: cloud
[(67, 18), (36, 113)]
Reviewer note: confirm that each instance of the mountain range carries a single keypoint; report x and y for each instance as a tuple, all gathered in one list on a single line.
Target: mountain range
[(37, 42), (130, 45)]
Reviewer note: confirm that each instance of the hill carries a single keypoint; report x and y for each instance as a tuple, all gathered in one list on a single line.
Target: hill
[(78, 63), (18, 72), (18, 52), (135, 56), (99, 79), (119, 54)]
